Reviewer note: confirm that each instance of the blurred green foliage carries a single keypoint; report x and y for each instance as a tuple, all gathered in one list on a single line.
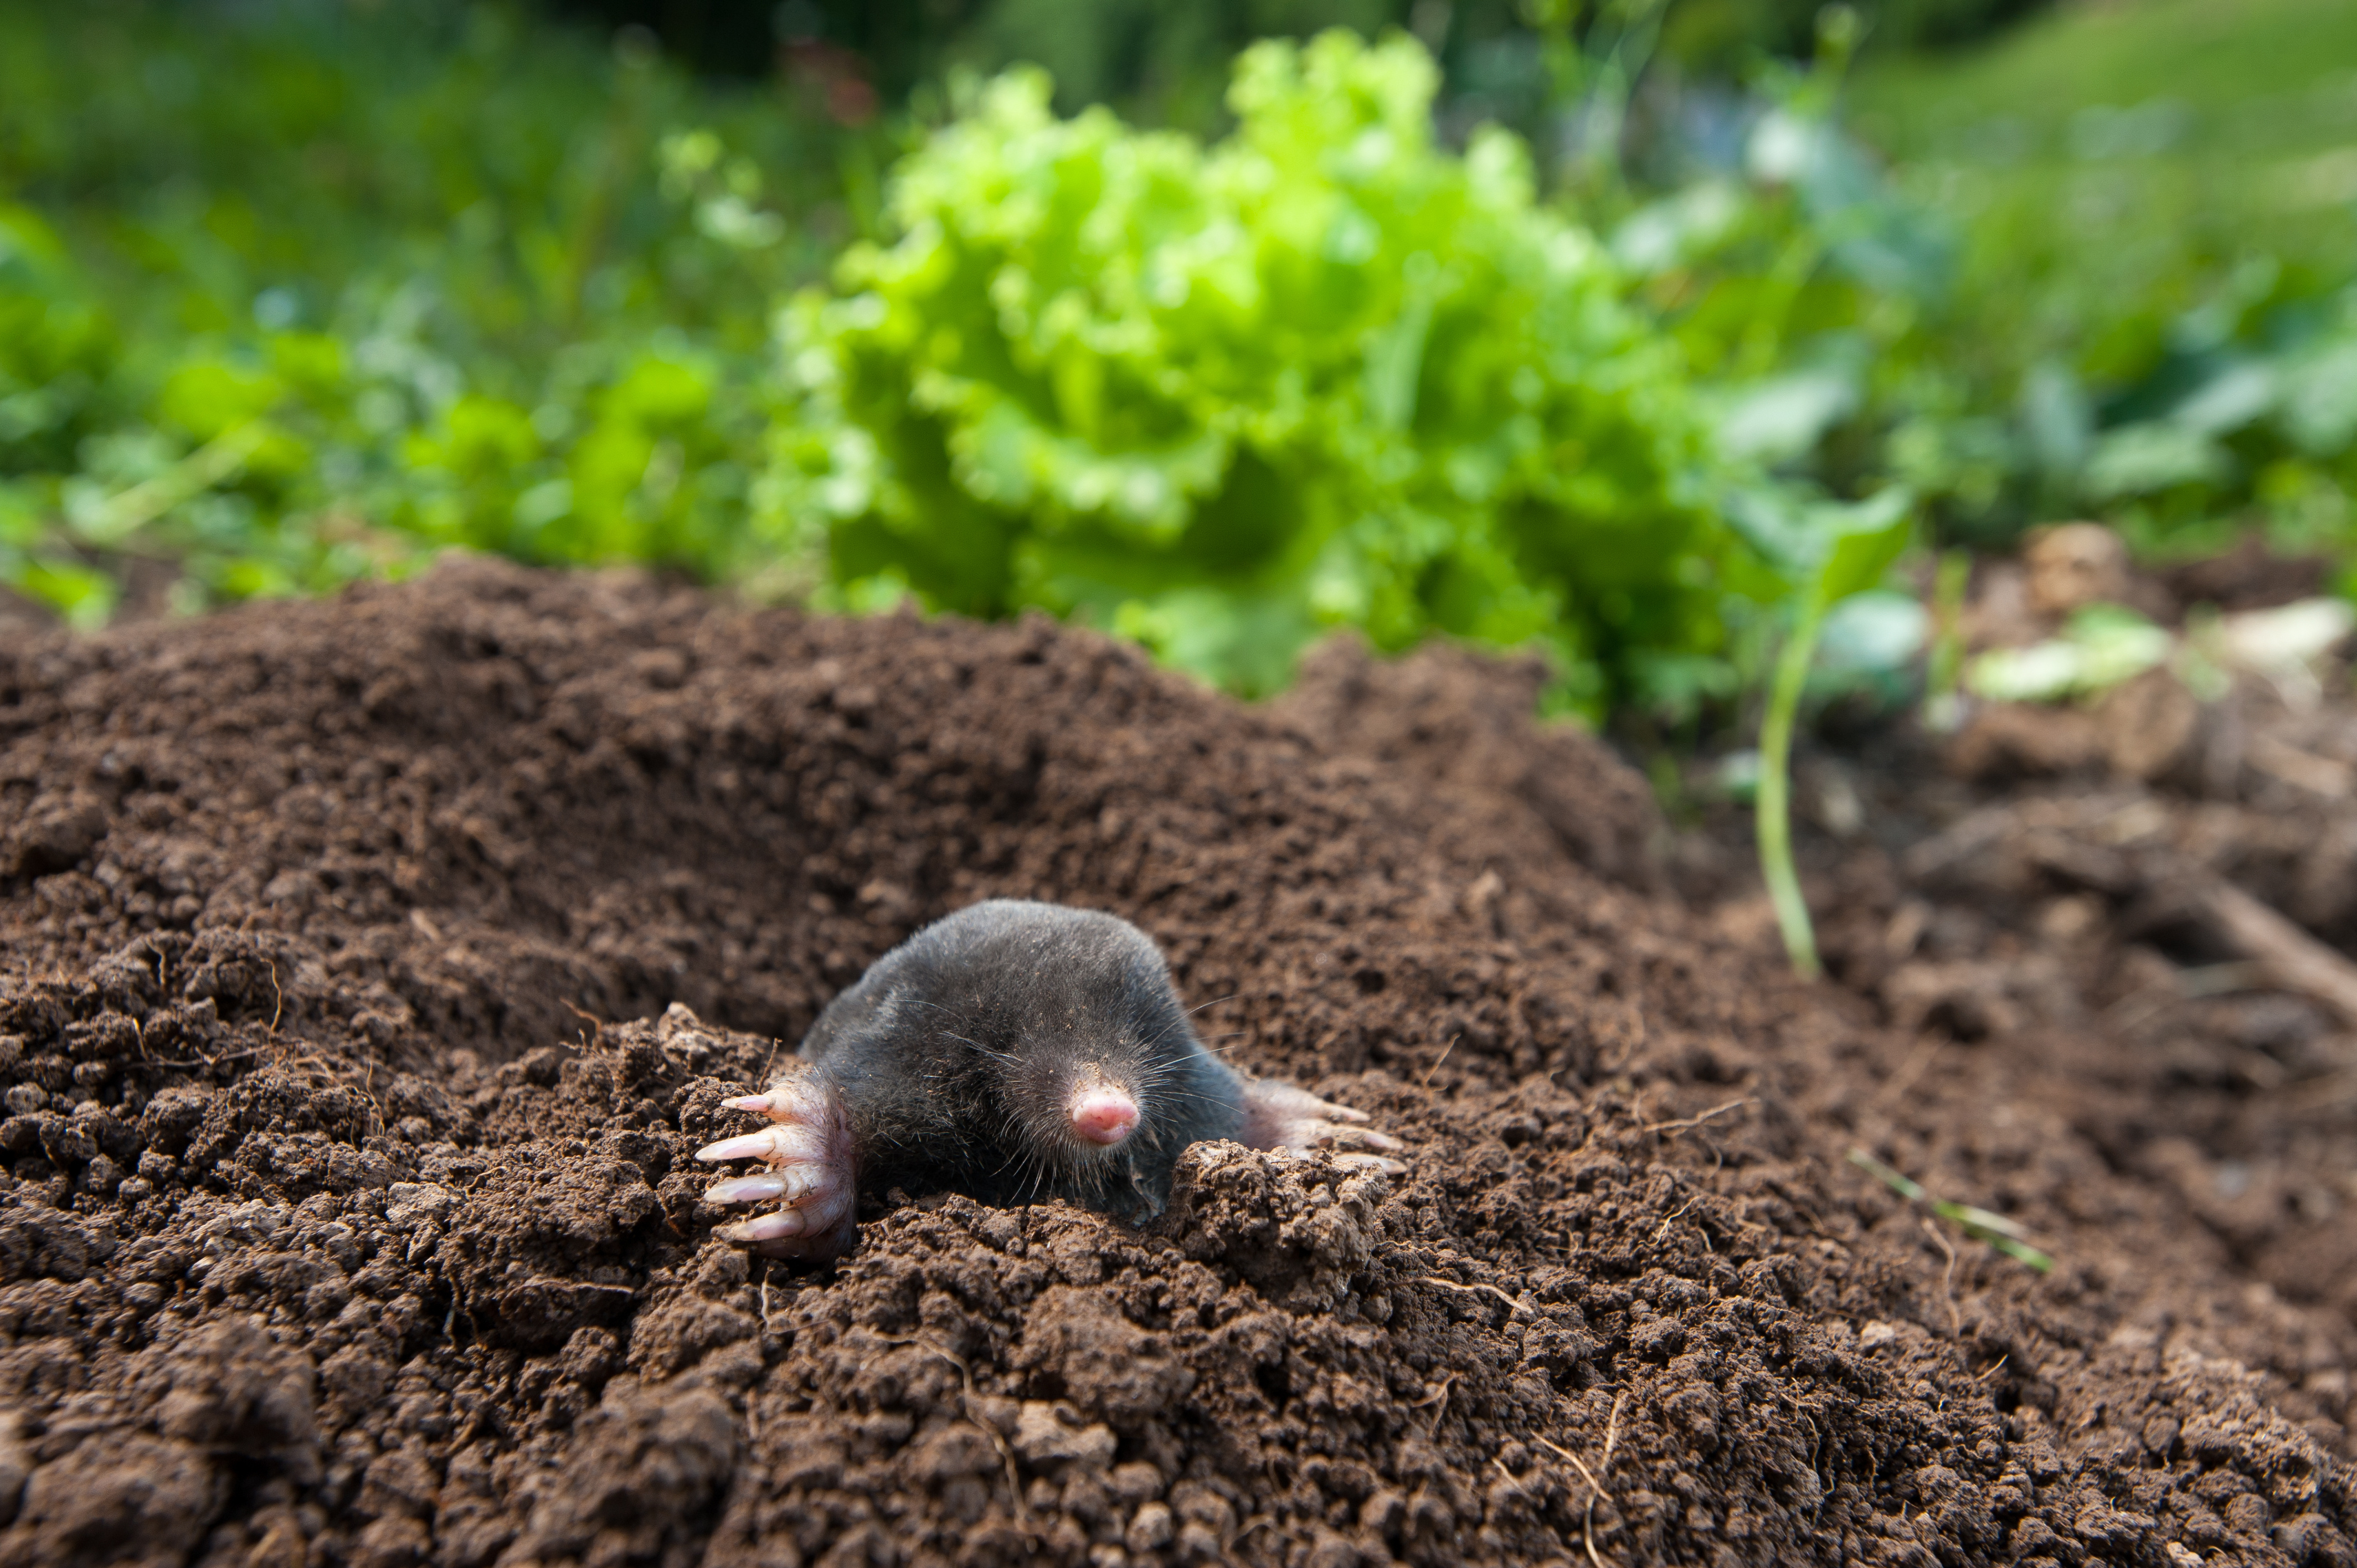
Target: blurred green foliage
[(2133, 326), (293, 294), (2150, 211), (1167, 65)]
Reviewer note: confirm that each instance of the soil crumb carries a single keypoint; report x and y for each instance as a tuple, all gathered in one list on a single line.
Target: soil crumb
[(373, 968)]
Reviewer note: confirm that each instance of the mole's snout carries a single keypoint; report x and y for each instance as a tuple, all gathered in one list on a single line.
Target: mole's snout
[(1102, 1112)]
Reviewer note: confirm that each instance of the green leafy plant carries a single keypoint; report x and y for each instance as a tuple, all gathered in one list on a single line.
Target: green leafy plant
[(1320, 373)]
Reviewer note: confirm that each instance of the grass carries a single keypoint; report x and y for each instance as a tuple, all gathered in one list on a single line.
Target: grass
[(2267, 75), (2111, 165), (2006, 1235)]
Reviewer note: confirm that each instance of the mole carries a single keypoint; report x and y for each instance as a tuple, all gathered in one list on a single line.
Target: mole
[(1014, 1052)]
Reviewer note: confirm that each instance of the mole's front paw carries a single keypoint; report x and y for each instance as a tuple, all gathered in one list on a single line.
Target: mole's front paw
[(808, 1152), (1279, 1116)]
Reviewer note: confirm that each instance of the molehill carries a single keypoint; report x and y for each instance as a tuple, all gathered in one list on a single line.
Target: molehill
[(373, 967)]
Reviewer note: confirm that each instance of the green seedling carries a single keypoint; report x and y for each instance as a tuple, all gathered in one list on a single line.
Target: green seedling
[(1978, 1223), (1943, 708), (110, 519), (1829, 551)]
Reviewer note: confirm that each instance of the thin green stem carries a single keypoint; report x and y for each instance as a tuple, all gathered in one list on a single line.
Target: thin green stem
[(124, 513), (1779, 296), (1774, 807), (1940, 707)]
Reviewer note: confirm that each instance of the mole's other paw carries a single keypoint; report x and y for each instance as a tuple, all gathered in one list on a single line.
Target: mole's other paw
[(807, 1149), (1279, 1116)]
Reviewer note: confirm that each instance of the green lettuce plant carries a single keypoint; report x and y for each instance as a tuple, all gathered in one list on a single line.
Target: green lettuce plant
[(1322, 372)]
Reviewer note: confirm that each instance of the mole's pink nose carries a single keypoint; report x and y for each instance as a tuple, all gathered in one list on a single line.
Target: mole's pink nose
[(1102, 1114)]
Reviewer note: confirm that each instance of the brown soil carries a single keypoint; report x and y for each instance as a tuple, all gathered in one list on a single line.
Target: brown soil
[(372, 967)]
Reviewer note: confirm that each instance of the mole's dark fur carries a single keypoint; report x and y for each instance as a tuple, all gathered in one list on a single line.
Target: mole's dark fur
[(956, 1053)]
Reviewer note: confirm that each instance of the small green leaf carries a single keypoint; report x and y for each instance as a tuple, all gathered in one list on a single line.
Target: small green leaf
[(2102, 646), (2006, 1235), (83, 597), (1861, 542)]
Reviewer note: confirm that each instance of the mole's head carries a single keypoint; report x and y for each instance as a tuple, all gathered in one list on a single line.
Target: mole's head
[(1095, 1069), (1086, 1100)]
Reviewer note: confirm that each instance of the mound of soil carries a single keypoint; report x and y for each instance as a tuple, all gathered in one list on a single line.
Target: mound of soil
[(373, 967), (2143, 908)]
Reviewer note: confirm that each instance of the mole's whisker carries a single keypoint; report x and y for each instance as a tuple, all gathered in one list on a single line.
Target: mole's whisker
[(923, 1001), (978, 1046)]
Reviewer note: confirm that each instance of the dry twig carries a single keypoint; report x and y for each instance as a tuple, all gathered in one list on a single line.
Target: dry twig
[(1447, 1382), (1947, 1280), (1519, 1306), (1439, 1059), (1595, 1484), (2291, 957), (1670, 1219), (1684, 1123), (1587, 1515)]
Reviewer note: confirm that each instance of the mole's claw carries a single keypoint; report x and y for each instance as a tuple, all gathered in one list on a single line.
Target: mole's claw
[(760, 1146), (747, 1188), (1372, 1163), (1279, 1116), (774, 1227), (1323, 1134), (808, 1150)]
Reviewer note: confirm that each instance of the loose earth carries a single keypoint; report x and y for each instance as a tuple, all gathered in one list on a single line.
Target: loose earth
[(371, 970)]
